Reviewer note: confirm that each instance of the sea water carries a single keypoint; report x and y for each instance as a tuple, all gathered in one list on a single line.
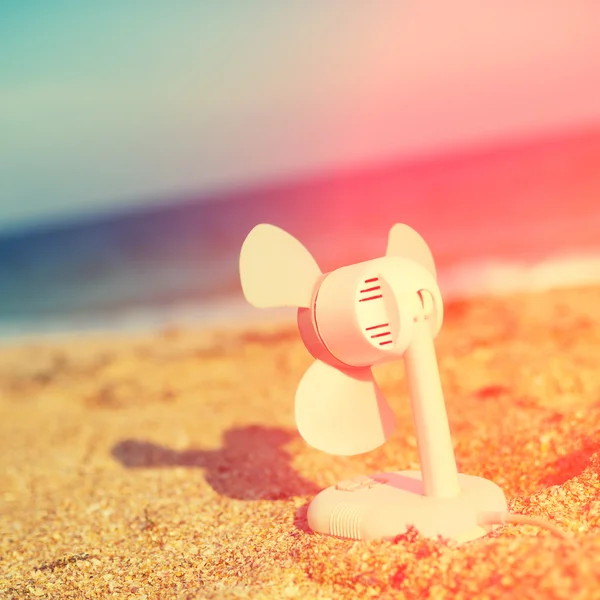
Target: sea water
[(517, 218)]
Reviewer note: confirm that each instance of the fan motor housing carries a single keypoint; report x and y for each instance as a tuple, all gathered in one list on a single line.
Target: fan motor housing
[(363, 314)]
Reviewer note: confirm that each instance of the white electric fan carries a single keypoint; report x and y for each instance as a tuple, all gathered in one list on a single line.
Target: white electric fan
[(351, 319)]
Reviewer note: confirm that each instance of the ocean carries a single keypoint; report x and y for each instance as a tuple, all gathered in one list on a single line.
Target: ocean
[(516, 217)]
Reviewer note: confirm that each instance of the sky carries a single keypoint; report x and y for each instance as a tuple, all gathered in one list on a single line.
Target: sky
[(113, 103)]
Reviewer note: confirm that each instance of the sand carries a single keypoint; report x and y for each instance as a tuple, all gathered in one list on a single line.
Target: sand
[(169, 466)]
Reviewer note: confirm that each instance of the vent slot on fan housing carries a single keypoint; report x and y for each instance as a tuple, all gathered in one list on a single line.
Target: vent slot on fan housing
[(374, 314), (359, 317)]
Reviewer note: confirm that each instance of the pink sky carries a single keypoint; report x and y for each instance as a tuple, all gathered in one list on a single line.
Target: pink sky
[(196, 99)]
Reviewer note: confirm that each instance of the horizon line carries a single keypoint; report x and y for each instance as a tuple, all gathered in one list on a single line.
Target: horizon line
[(460, 153)]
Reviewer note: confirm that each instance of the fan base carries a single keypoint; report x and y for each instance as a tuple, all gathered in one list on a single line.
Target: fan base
[(384, 505)]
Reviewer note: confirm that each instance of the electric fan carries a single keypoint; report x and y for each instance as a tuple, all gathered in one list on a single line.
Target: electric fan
[(351, 319)]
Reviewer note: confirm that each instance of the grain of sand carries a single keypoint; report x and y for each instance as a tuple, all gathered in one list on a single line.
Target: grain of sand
[(169, 466)]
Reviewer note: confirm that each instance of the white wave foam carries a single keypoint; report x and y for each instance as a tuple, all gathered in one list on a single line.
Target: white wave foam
[(509, 277), (464, 281)]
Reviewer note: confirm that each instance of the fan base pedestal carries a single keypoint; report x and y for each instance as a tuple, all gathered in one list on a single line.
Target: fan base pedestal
[(384, 505)]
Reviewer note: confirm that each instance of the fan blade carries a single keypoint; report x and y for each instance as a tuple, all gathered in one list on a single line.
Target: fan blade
[(276, 269), (342, 412), (404, 241)]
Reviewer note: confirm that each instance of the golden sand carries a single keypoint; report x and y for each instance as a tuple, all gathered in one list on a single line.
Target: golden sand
[(169, 466)]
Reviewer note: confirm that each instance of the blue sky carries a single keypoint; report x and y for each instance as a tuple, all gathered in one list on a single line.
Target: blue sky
[(109, 103)]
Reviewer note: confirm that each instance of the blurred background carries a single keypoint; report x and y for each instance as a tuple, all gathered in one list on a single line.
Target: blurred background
[(141, 141)]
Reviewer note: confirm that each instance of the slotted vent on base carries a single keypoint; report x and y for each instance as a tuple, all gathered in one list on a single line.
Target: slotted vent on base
[(345, 520)]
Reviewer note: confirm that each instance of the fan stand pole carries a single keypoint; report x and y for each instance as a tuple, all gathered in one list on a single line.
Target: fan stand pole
[(437, 500), (434, 442)]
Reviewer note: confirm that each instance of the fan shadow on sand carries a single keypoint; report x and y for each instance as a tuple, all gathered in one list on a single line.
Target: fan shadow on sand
[(251, 465)]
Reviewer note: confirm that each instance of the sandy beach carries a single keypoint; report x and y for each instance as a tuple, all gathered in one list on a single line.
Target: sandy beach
[(169, 466)]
